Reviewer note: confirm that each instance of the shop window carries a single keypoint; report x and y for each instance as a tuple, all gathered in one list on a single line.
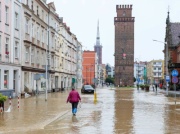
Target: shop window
[(6, 73)]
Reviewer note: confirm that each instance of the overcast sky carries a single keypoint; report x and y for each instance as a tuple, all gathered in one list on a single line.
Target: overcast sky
[(150, 22)]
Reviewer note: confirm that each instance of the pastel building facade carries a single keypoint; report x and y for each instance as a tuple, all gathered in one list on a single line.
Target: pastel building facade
[(10, 46)]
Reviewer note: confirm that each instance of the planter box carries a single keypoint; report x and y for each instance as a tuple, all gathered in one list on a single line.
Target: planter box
[(147, 89)]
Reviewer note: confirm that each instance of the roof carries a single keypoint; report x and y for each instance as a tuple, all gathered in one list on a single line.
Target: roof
[(175, 32)]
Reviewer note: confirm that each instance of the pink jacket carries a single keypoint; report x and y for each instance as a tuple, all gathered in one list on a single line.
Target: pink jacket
[(73, 96)]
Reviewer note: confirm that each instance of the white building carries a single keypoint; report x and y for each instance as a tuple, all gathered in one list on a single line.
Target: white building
[(10, 46), (140, 72), (35, 37), (79, 65)]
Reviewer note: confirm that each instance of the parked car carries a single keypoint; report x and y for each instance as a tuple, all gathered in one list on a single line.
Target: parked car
[(87, 89)]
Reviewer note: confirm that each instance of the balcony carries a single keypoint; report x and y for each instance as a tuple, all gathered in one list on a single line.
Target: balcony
[(157, 65), (27, 37)]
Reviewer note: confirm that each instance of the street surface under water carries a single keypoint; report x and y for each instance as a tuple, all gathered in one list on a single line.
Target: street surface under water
[(117, 111)]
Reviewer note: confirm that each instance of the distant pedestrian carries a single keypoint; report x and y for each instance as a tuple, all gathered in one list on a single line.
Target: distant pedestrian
[(74, 99), (153, 87), (156, 87)]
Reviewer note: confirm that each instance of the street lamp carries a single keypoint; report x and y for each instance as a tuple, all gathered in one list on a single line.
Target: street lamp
[(166, 63), (138, 74)]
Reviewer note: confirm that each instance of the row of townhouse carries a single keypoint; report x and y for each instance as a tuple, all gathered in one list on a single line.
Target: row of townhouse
[(151, 72), (35, 44)]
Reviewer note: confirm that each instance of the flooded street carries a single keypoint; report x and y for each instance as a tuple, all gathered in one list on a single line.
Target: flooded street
[(118, 111)]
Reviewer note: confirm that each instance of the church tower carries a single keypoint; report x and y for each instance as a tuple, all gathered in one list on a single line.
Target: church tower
[(124, 46), (98, 46)]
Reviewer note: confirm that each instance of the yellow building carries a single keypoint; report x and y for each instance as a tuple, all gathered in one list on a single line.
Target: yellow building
[(155, 71)]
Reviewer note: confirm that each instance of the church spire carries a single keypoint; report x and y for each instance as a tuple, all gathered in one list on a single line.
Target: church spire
[(98, 36), (168, 20)]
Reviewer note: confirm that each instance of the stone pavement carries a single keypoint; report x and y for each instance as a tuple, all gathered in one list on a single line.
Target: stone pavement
[(33, 112)]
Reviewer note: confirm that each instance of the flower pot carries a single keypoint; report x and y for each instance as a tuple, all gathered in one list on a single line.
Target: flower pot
[(147, 89)]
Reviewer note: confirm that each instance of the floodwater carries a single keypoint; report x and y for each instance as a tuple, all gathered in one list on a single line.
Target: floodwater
[(117, 111)]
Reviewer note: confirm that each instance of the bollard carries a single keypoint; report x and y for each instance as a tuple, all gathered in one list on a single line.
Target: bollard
[(95, 97), (9, 101), (18, 102)]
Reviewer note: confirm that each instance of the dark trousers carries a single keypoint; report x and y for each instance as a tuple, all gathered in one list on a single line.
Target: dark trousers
[(74, 107)]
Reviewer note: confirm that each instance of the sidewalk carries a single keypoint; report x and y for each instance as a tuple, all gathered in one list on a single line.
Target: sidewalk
[(34, 112), (170, 93)]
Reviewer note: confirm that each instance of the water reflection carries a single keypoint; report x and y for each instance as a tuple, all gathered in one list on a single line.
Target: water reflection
[(116, 112), (124, 106), (148, 113), (172, 117)]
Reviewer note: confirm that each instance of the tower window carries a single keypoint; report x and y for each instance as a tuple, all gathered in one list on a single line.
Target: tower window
[(124, 13)]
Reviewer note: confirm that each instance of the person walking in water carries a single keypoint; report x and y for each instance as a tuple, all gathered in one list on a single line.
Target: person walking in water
[(74, 99)]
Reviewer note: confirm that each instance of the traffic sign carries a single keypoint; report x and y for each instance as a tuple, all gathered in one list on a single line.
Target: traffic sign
[(174, 72), (167, 78), (174, 79)]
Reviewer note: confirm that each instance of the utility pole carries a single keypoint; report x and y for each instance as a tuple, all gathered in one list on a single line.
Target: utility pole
[(86, 75), (166, 62)]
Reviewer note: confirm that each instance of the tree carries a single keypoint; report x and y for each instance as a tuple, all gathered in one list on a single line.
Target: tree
[(109, 80)]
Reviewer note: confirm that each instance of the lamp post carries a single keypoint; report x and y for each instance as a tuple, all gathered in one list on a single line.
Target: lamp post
[(86, 76), (138, 75), (166, 63)]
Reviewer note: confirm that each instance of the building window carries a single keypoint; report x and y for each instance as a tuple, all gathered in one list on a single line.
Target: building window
[(55, 43), (32, 5), (37, 57), (32, 30), (42, 63), (26, 78), (52, 40), (37, 11), (0, 11), (52, 61), (32, 55), (42, 36), (7, 46), (7, 15), (37, 32), (6, 73), (42, 15), (27, 26), (0, 44), (27, 1), (16, 20), (16, 49), (27, 54), (124, 13)]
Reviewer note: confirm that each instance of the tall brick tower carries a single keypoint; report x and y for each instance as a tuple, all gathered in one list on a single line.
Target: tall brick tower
[(98, 46), (124, 46)]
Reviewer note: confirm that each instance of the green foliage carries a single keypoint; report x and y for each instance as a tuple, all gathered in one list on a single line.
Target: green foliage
[(146, 85), (2, 98), (109, 80)]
